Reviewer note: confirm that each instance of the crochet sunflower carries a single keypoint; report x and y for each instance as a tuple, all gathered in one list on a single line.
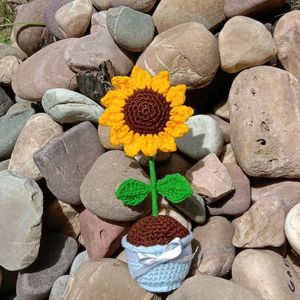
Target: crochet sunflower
[(145, 114)]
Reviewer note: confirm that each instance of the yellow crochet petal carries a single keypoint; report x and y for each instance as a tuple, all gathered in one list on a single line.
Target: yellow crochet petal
[(141, 78), (181, 113), (133, 147), (161, 83), (111, 116), (176, 129), (149, 145), (118, 133), (166, 143), (113, 98), (124, 84), (176, 95)]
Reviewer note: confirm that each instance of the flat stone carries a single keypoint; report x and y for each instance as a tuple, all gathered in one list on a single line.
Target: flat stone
[(65, 155), (55, 257), (169, 13), (205, 287), (210, 178), (11, 126), (261, 226), (97, 279), (267, 274), (66, 106), (98, 188), (227, 155), (101, 238), (79, 260), (43, 71), (224, 126), (59, 288), (188, 51), (204, 137), (9, 50), (221, 109), (8, 66), (5, 102), (292, 228), (104, 137), (37, 132), (238, 201), (145, 5), (131, 30), (261, 136), (21, 209), (245, 43)]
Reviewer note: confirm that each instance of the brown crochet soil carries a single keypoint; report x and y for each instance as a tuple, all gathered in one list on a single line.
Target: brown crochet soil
[(160, 230)]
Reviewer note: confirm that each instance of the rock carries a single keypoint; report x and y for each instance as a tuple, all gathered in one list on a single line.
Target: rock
[(245, 43), (65, 155), (4, 164), (145, 5), (8, 66), (261, 226), (11, 126), (292, 228), (221, 109), (79, 260), (56, 254), (99, 185), (21, 209), (224, 126), (9, 50), (104, 137), (286, 36), (204, 137), (87, 52), (227, 155), (59, 288), (188, 51), (216, 250), (204, 287), (98, 22), (5, 102), (251, 7), (260, 135), (42, 71), (21, 106), (97, 279), (70, 107), (74, 17), (169, 13), (131, 30), (37, 132), (238, 201), (210, 178), (267, 274)]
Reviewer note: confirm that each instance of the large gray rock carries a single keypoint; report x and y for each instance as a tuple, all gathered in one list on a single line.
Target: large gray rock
[(5, 102), (21, 209)]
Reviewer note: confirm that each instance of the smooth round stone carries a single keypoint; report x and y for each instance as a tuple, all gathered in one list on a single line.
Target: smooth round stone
[(292, 227), (131, 30), (37, 132), (59, 288), (20, 106), (56, 254), (98, 21), (98, 188), (104, 137), (9, 50), (21, 209), (79, 260), (8, 66), (107, 279), (204, 137), (5, 102), (205, 287), (188, 51), (145, 5), (11, 126)]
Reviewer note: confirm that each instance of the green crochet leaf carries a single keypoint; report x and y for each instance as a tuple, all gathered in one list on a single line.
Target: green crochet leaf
[(175, 188), (132, 192)]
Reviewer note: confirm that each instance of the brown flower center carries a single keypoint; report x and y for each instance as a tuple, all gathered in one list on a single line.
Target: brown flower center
[(146, 112)]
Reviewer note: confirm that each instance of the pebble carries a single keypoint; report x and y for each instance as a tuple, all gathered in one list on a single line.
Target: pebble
[(101, 238), (11, 126), (238, 201), (267, 274), (221, 109), (260, 134), (79, 260), (144, 6), (37, 132), (107, 279), (210, 178), (8, 66), (188, 51), (44, 70), (56, 254), (286, 36), (67, 161), (9, 50), (227, 155), (74, 17), (104, 137), (99, 185), (98, 22), (216, 253), (292, 228), (5, 102), (262, 225), (245, 43), (205, 287), (224, 126), (59, 288), (67, 106), (20, 232), (131, 30), (169, 13), (204, 137)]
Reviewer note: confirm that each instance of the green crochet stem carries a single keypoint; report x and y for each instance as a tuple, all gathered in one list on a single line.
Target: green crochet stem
[(153, 187)]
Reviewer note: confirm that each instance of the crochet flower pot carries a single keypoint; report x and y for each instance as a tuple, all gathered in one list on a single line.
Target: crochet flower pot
[(159, 253)]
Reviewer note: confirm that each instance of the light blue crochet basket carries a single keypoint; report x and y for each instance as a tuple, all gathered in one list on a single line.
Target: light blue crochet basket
[(164, 277)]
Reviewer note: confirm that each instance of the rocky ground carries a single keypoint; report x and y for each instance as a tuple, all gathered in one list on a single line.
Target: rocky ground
[(60, 223)]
